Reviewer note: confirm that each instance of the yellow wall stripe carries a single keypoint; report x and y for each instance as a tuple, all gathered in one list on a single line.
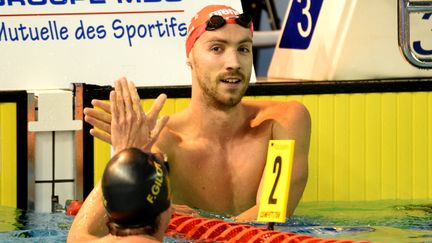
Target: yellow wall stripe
[(420, 150), (369, 146), (388, 145), (357, 147), (8, 155), (325, 151), (341, 148), (311, 192), (429, 145), (102, 154), (404, 146), (373, 146)]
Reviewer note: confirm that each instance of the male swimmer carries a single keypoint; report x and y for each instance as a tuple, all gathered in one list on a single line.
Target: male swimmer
[(217, 146), (136, 196)]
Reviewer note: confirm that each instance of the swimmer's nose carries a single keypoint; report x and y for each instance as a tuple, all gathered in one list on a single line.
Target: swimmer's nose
[(233, 60)]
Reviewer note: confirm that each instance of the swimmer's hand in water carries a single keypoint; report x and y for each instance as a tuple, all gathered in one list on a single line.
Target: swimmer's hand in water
[(184, 209), (249, 215), (130, 125)]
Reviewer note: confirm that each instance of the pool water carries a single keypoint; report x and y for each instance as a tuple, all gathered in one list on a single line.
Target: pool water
[(21, 226), (383, 221), (378, 221)]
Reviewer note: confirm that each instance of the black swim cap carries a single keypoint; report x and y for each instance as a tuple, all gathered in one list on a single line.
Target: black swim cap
[(135, 187)]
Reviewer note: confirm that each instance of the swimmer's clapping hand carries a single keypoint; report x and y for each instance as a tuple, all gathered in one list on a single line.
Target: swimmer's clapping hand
[(123, 122)]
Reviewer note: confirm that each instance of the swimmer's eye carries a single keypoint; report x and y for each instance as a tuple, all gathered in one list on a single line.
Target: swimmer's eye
[(216, 49)]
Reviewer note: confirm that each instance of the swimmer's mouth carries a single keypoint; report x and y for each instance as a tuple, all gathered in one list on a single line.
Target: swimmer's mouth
[(231, 80)]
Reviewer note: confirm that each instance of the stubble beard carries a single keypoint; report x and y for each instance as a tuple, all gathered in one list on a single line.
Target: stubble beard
[(213, 99), (210, 94)]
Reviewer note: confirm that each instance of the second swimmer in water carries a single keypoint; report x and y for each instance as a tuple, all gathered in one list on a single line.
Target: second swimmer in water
[(137, 197)]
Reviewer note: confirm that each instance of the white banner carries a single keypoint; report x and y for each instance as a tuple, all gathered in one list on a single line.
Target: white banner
[(347, 40), (49, 44)]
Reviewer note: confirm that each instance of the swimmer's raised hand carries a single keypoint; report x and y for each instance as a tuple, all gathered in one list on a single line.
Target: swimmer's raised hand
[(99, 117), (130, 125)]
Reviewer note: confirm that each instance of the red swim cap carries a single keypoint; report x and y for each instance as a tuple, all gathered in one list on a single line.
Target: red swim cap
[(198, 23)]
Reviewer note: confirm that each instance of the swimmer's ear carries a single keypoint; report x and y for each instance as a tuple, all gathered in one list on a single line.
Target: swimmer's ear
[(189, 60)]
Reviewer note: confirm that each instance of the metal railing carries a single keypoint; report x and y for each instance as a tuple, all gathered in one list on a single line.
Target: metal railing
[(405, 8)]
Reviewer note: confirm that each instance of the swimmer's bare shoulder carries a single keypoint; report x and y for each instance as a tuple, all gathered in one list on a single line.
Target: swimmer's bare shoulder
[(285, 113), (289, 115), (90, 222)]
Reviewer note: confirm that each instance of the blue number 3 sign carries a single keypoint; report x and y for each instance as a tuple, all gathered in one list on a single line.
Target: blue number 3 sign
[(417, 44), (300, 24)]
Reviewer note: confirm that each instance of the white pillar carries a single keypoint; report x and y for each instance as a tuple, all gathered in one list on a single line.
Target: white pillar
[(54, 147)]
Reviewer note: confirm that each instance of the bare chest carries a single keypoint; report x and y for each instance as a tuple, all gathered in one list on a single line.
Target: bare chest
[(219, 177)]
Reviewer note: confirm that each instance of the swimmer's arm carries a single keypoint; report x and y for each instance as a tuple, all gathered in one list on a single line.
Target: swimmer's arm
[(295, 123), (90, 222), (251, 214), (184, 209)]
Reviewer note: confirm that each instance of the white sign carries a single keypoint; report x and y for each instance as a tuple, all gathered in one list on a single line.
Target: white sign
[(347, 40), (49, 44)]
